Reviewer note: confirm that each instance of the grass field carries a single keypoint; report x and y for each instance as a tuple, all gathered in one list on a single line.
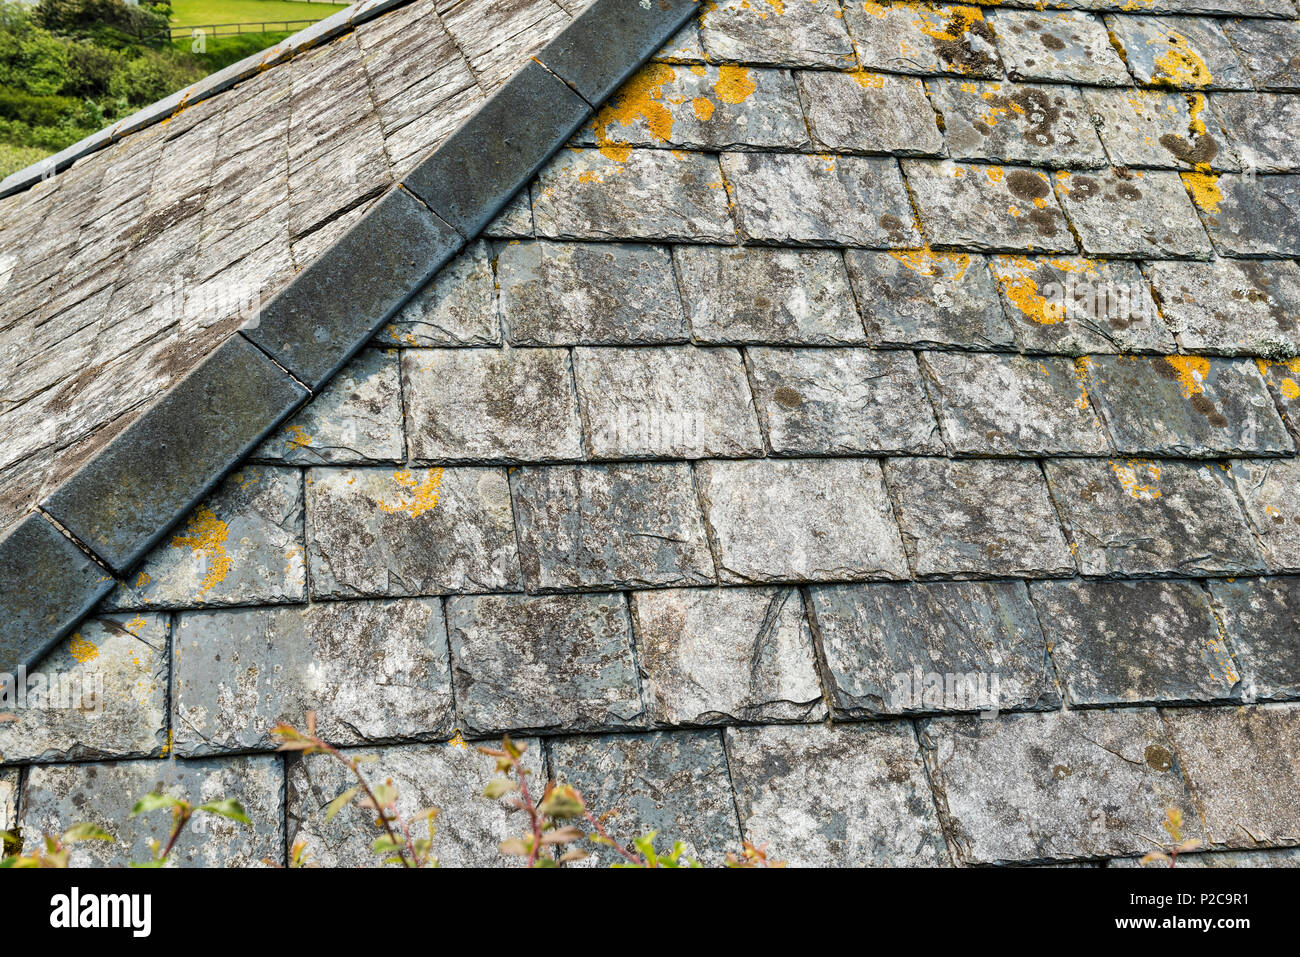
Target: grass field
[(193, 13)]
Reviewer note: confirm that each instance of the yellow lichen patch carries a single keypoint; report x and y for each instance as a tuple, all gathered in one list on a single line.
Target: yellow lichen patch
[(82, 650), (423, 496), (1139, 479), (1196, 106), (1204, 189), (1016, 279), (995, 174), (1290, 389), (1192, 373), (867, 80), (1081, 366), (1180, 65), (136, 625), (779, 6), (960, 19), (735, 84), (457, 740), (639, 98), (927, 262), (206, 535), (142, 580), (703, 107), (298, 437)]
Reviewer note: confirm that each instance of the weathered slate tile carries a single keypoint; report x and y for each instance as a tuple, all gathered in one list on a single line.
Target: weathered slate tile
[(450, 777), (1017, 123), (1181, 52), (924, 298), (1003, 784), (800, 520), (1271, 493), (556, 662), (55, 797), (848, 796), (9, 799), (683, 46), (1268, 50), (1133, 517), (1286, 857), (372, 671), (1249, 216), (738, 294), (490, 405), (987, 207), (1283, 379), (977, 519), (1264, 128), (923, 38), (945, 646), (691, 800), (1117, 643), (632, 194), (666, 402), (1066, 47), (798, 33), (100, 693), (243, 546), (378, 532), (1132, 214), (556, 294), (1186, 406), (631, 526), (1242, 768), (1231, 307), (709, 655), (842, 401), (1159, 128), (819, 200), (861, 112), (515, 221), (1077, 306), (457, 308), (1009, 405), (1259, 617)]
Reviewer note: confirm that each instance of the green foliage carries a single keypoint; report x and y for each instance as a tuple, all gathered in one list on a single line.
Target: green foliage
[(151, 76), (107, 23)]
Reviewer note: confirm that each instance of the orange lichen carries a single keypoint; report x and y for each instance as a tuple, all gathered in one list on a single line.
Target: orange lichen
[(1192, 373), (1180, 65), (641, 97), (423, 496), (1016, 279), (206, 535), (703, 107), (927, 262), (735, 84), (298, 437), (1131, 478), (866, 80), (82, 650)]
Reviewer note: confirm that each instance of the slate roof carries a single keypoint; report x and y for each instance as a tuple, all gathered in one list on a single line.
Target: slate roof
[(875, 429)]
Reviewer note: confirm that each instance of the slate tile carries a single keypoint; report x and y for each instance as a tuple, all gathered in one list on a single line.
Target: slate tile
[(1162, 129), (1268, 50), (1242, 769), (977, 518), (783, 198), (800, 520), (683, 46), (515, 221), (1075, 305), (1017, 123), (639, 195), (973, 207), (372, 670), (691, 800), (712, 655), (1285, 857), (923, 298), (862, 112), (1181, 52), (1283, 379), (589, 293), (923, 38), (1130, 517), (1010, 405), (379, 532), (558, 662), (799, 33), (1186, 406), (55, 797), (490, 405), (101, 693), (1132, 214), (1271, 493), (1003, 784), (848, 796), (1231, 307), (9, 799), (1264, 128), (456, 308), (752, 294), (670, 401), (635, 525), (1259, 616), (1066, 47), (1118, 643), (1249, 216), (947, 646), (450, 777), (842, 401)]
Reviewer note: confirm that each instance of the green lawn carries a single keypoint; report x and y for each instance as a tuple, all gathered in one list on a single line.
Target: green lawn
[(193, 13)]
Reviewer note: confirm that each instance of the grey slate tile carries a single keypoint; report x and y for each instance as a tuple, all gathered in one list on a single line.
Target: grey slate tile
[(861, 112), (1252, 217), (1180, 52), (1231, 307), (1285, 857), (800, 520), (456, 308), (1268, 50), (1163, 129), (923, 38), (683, 46), (1283, 379), (1070, 46), (800, 34), (1259, 619), (1264, 129), (9, 799), (1132, 214), (946, 646), (515, 221), (1271, 493), (848, 796)]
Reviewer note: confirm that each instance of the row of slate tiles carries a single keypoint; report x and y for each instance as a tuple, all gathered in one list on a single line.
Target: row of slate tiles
[(1081, 785)]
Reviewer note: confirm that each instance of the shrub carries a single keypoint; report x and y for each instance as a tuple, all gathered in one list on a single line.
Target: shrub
[(151, 76)]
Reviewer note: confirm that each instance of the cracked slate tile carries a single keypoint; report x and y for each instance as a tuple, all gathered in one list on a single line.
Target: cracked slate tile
[(1259, 616), (1186, 406), (1124, 643), (1231, 307), (379, 532), (1070, 46), (1181, 52), (977, 518), (100, 693), (861, 112), (784, 198), (515, 221), (1132, 214), (976, 207), (555, 294), (490, 405), (1264, 128), (842, 401), (372, 670), (800, 520), (666, 402), (1271, 493), (787, 33), (628, 526), (1001, 785), (712, 655), (1132, 517), (556, 662), (456, 308), (1162, 129), (945, 646), (923, 38), (845, 796), (1255, 216), (1283, 379), (1268, 48)]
